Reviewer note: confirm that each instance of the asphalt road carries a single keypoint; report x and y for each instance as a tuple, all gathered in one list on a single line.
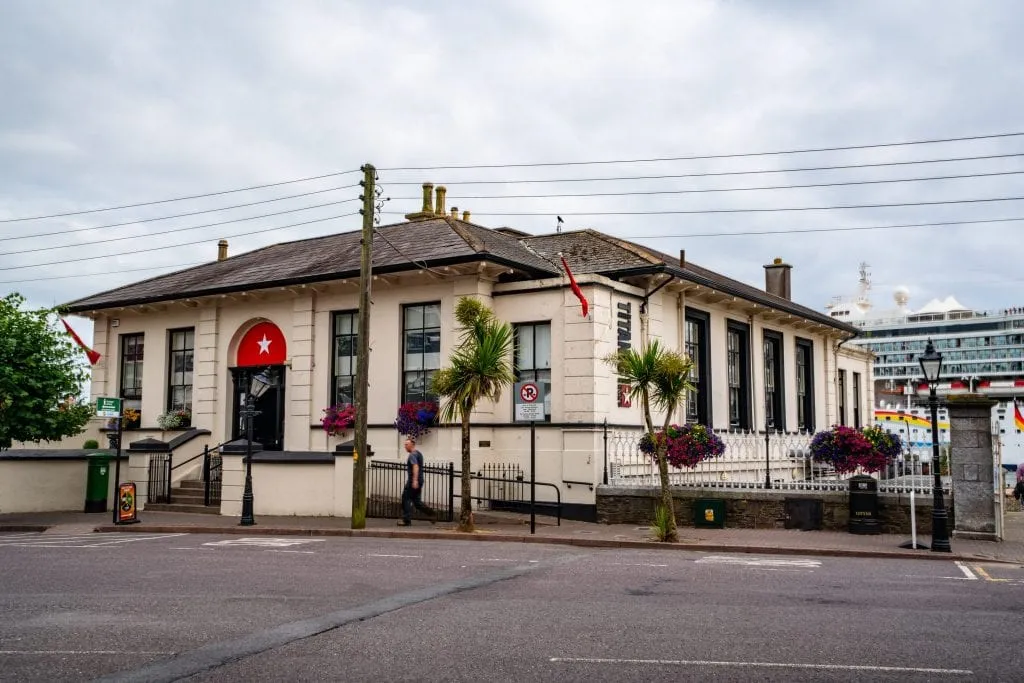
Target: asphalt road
[(226, 608)]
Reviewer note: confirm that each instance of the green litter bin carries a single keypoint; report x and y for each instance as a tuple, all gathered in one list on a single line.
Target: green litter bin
[(709, 513), (97, 482)]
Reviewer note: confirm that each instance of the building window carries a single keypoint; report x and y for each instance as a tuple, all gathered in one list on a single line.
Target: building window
[(697, 346), (533, 357), (343, 360), (181, 354), (132, 347), (738, 354), (421, 357), (774, 403), (856, 400), (805, 385), (841, 397)]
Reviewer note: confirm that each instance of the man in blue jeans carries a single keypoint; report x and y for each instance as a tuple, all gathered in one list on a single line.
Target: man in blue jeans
[(414, 485)]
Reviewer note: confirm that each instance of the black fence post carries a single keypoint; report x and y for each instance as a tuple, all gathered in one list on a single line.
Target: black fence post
[(170, 459), (606, 451), (206, 475), (451, 491)]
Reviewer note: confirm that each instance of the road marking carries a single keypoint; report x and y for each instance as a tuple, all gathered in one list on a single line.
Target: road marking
[(759, 561), (418, 557), (967, 571), (83, 652), (77, 541), (784, 571), (768, 665), (272, 542), (300, 552), (637, 564)]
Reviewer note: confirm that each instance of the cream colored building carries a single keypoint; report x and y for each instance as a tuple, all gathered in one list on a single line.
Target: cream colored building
[(187, 338)]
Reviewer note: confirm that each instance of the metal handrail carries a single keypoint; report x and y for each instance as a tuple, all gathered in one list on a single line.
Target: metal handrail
[(558, 492), (196, 457)]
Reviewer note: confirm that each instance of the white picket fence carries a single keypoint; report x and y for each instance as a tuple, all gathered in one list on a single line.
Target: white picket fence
[(748, 457)]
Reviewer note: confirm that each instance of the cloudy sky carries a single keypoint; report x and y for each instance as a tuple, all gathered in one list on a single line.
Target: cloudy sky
[(113, 103)]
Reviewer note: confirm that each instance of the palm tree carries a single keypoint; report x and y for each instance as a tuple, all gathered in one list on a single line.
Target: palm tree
[(660, 376), (480, 368)]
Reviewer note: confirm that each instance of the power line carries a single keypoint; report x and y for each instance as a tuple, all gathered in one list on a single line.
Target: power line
[(420, 264), (172, 246), (709, 174), (727, 189), (706, 156), (183, 215), (181, 266), (771, 210), (630, 237), (843, 229), (176, 199), (175, 230)]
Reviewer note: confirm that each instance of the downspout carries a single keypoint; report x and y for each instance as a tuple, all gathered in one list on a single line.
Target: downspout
[(644, 316), (753, 375)]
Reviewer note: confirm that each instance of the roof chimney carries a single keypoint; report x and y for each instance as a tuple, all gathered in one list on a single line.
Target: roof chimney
[(428, 205), (439, 205), (222, 250), (455, 213), (465, 216), (776, 279), (682, 258)]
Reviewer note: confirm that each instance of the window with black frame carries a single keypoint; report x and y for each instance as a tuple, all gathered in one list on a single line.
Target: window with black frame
[(533, 357), (132, 353), (775, 416), (804, 385), (856, 400), (345, 329), (181, 357), (738, 357), (841, 396), (421, 350), (696, 346)]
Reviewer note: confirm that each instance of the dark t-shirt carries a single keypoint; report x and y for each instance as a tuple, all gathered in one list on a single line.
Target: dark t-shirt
[(415, 457)]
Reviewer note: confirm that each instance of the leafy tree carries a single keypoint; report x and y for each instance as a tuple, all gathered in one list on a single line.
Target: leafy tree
[(480, 368), (660, 377), (40, 377)]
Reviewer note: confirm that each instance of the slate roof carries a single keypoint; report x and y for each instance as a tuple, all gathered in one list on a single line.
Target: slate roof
[(435, 242)]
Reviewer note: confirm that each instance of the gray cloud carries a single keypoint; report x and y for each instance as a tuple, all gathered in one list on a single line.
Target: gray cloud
[(115, 102)]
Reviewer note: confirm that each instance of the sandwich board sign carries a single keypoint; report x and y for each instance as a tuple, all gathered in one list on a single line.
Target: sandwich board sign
[(108, 407), (529, 402)]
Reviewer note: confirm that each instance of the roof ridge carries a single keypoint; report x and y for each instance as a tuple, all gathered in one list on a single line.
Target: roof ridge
[(468, 237), (631, 247)]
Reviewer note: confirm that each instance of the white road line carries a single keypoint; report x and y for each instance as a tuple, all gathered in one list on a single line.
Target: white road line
[(496, 559), (637, 564), (418, 557), (300, 552), (83, 652), (83, 541), (967, 571), (272, 542), (767, 665), (759, 561)]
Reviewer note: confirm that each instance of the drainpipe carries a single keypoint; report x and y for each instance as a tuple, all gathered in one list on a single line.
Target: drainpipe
[(644, 336), (753, 398)]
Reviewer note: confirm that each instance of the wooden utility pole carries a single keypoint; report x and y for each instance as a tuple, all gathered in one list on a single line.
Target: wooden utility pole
[(369, 197)]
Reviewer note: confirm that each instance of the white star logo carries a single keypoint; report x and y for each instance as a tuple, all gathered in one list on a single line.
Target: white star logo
[(264, 345)]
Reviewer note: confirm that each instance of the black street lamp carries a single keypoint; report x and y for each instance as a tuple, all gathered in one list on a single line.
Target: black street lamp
[(931, 366), (258, 385)]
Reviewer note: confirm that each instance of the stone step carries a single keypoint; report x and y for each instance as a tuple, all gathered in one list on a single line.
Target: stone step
[(186, 498), (175, 507), (191, 484)]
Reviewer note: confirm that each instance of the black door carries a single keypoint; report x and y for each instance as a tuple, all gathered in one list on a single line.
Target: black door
[(268, 425)]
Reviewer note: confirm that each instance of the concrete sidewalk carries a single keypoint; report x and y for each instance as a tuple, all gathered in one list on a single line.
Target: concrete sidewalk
[(500, 527)]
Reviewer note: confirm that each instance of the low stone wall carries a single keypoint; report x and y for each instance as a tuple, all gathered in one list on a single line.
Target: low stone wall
[(759, 509)]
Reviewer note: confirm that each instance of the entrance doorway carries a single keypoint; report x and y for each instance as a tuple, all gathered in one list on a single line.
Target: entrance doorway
[(268, 425)]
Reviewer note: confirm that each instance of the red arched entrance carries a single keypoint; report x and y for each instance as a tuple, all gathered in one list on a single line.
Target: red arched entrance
[(261, 349)]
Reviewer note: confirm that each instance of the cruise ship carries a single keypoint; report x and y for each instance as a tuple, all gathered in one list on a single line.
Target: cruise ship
[(982, 350)]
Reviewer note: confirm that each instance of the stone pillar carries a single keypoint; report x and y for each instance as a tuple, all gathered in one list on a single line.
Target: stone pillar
[(204, 400), (972, 467), (300, 376)]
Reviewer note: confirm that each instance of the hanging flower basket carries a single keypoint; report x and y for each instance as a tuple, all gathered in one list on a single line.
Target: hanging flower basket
[(849, 450), (179, 418), (338, 419), (688, 445), (416, 418)]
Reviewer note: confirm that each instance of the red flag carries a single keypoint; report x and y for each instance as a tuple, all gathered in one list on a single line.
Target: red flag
[(575, 288), (94, 357)]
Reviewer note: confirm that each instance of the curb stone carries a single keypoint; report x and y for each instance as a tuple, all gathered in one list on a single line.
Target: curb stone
[(19, 528), (498, 537)]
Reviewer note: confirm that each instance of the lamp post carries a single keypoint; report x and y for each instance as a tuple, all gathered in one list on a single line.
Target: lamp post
[(258, 385), (931, 366)]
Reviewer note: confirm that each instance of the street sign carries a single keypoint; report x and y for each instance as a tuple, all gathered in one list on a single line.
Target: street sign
[(529, 402), (108, 407)]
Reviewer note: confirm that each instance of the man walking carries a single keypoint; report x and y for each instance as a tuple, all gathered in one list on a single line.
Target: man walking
[(411, 496)]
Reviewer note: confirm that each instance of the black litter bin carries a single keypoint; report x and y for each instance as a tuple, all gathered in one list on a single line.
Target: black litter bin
[(864, 505), (97, 482)]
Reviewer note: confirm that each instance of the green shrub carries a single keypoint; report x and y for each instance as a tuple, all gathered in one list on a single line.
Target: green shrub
[(662, 523), (91, 444)]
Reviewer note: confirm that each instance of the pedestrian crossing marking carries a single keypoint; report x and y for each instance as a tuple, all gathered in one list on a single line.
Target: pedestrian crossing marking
[(759, 561), (83, 540)]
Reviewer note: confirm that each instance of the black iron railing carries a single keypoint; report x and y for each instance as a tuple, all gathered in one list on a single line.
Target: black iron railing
[(386, 481), (159, 490)]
